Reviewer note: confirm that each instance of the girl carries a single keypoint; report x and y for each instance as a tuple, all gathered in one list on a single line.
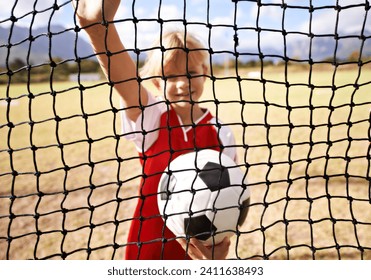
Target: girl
[(161, 128)]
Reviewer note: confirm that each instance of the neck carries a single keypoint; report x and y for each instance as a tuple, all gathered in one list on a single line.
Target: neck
[(189, 116)]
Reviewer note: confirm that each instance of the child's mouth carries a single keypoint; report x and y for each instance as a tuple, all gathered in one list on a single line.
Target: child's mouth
[(184, 94)]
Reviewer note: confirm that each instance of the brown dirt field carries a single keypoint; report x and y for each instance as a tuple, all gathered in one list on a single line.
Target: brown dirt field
[(302, 204)]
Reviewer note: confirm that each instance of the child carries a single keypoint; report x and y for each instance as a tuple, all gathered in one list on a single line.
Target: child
[(161, 128)]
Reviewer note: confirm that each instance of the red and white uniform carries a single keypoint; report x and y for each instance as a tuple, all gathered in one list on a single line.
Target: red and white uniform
[(160, 137)]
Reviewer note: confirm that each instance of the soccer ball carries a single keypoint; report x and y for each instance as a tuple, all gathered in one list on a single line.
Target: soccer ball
[(203, 195)]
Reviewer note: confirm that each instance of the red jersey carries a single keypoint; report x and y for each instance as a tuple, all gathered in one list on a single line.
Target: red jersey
[(148, 237)]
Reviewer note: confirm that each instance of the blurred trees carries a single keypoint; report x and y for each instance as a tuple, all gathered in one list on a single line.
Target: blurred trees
[(18, 71)]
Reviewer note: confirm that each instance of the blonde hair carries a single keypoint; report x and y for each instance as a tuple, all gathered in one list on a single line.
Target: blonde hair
[(169, 48)]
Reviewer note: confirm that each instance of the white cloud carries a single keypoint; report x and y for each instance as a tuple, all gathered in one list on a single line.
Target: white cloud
[(23, 11), (221, 13), (197, 2), (350, 20), (148, 29), (168, 12)]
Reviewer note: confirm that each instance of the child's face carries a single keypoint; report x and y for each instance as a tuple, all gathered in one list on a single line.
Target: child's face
[(183, 85)]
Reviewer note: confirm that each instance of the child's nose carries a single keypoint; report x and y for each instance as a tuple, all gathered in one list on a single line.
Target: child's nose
[(182, 82)]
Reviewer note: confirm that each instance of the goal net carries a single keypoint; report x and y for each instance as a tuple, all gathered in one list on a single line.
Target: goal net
[(292, 79)]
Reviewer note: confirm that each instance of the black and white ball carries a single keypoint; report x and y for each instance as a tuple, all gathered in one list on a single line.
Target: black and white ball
[(203, 195)]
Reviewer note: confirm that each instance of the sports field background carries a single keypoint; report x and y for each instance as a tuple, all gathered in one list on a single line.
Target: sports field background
[(308, 209)]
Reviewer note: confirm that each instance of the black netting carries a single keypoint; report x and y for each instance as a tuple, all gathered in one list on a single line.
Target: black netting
[(296, 96)]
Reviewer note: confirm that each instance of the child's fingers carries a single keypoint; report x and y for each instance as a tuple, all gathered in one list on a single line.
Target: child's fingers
[(90, 11), (217, 252), (191, 250)]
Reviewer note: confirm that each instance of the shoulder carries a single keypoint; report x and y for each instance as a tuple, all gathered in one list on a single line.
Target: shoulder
[(226, 137), (224, 131), (145, 126)]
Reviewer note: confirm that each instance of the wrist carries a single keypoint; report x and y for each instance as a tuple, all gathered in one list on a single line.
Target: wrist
[(104, 38), (102, 33), (95, 30)]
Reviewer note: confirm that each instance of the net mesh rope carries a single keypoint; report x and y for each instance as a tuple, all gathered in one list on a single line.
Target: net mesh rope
[(69, 180)]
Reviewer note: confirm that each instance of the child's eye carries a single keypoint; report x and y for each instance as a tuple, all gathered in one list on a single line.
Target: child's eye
[(192, 73)]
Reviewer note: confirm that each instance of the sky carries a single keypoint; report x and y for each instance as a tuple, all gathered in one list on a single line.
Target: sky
[(221, 14)]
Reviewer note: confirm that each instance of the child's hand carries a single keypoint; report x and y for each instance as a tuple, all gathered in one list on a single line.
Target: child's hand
[(198, 251), (90, 11)]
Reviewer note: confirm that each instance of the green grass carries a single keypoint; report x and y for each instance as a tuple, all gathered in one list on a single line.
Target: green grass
[(295, 161)]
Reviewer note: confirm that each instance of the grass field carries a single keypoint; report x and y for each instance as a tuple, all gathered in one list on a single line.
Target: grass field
[(307, 150)]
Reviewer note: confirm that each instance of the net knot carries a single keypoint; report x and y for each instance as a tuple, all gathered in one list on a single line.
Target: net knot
[(13, 19)]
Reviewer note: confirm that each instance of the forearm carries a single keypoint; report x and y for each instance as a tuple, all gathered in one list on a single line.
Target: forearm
[(111, 52), (117, 65)]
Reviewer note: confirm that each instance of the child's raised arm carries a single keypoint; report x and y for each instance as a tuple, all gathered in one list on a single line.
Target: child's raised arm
[(116, 63)]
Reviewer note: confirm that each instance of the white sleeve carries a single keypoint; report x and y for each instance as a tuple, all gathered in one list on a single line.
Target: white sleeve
[(144, 131), (226, 136)]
